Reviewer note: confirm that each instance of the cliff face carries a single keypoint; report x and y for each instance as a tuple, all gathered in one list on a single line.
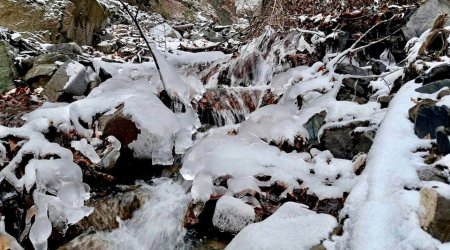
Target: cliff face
[(55, 21)]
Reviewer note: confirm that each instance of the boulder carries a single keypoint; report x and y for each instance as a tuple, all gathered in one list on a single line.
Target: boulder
[(435, 214), (342, 141), (424, 17), (7, 69), (70, 79)]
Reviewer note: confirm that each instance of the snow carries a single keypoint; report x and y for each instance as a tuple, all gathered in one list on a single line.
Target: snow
[(379, 207), (151, 116), (246, 156), (292, 226), (173, 83), (232, 214), (78, 78)]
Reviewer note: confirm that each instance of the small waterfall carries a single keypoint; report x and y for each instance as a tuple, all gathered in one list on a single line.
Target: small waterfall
[(224, 106), (159, 224)]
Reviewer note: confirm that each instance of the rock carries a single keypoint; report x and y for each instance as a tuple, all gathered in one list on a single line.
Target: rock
[(6, 240), (61, 21), (443, 144), (70, 79), (385, 100), (107, 208), (349, 69), (414, 110), (51, 58), (353, 89), (435, 214), (429, 118), (443, 93), (434, 86), (431, 174), (65, 48), (424, 17), (40, 75), (23, 16), (82, 19), (232, 214), (7, 69), (313, 126), (440, 72), (378, 66), (365, 142), (341, 141), (120, 126)]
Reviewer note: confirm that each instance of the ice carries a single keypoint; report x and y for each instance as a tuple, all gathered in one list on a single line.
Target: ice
[(40, 232), (2, 153), (86, 149), (292, 226), (173, 83), (232, 214)]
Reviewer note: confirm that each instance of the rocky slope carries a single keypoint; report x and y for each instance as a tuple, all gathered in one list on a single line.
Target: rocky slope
[(330, 132)]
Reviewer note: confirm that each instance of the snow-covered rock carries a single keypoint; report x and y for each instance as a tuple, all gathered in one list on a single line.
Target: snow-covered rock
[(291, 227), (232, 214)]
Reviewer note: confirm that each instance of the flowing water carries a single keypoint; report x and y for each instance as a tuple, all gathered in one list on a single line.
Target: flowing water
[(159, 224)]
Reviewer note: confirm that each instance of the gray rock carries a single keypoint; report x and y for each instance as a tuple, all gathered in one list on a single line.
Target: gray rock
[(341, 141), (7, 69), (65, 48), (349, 69), (424, 17), (71, 79), (39, 76), (431, 174), (50, 58)]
